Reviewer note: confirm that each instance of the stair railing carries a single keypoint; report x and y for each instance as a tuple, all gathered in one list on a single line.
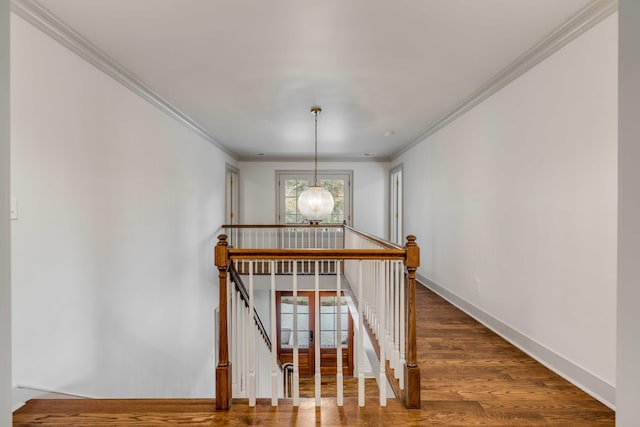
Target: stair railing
[(329, 236), (382, 279), (385, 297), (249, 352)]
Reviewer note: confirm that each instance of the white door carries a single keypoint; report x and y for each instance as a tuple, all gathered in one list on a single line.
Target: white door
[(396, 206), (231, 194)]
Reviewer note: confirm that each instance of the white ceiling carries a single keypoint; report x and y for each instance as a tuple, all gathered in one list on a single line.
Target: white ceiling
[(248, 71)]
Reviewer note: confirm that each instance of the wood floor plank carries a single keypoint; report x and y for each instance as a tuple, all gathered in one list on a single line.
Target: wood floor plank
[(469, 376), (328, 387)]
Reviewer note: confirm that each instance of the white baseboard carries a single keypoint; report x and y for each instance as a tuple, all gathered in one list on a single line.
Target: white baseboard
[(20, 394), (591, 384)]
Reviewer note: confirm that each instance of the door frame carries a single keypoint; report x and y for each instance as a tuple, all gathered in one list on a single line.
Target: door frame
[(231, 195), (396, 205), (309, 353)]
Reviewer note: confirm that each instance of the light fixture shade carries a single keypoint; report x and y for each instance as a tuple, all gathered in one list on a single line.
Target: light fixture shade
[(315, 203)]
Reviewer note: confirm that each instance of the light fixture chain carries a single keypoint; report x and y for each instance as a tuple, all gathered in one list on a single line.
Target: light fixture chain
[(315, 167), (315, 203)]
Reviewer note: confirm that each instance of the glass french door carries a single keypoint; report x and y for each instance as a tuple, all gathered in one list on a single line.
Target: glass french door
[(308, 332), (305, 327), (329, 334)]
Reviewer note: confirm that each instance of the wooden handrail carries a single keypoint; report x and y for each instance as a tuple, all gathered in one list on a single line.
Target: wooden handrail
[(288, 254), (283, 226)]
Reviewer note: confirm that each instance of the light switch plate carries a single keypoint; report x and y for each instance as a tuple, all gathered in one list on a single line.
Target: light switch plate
[(14, 208)]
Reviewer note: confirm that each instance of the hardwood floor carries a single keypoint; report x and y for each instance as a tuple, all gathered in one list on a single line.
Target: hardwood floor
[(469, 375), (328, 387), (463, 364)]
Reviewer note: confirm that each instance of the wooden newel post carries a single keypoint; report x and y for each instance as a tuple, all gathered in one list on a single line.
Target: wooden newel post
[(412, 371), (223, 370)]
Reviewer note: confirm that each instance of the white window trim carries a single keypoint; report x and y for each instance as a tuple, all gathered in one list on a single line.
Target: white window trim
[(348, 191)]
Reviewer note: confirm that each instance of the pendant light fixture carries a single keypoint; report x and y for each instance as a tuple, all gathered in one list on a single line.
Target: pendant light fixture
[(316, 202)]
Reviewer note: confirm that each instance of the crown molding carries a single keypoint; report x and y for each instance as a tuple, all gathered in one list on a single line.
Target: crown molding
[(589, 16), (48, 23), (41, 18)]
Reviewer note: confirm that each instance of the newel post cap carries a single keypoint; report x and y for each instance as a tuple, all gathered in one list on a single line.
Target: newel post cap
[(221, 254), (413, 252)]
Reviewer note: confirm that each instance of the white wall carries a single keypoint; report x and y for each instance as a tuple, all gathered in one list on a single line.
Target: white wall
[(628, 386), (514, 206), (370, 192), (5, 258), (114, 287)]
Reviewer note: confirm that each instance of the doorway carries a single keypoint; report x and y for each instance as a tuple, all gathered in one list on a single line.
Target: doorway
[(309, 332), (395, 196), (231, 195)]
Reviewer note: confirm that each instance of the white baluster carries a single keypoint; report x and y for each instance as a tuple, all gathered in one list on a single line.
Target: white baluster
[(262, 245), (368, 292), (241, 349), (339, 376), (238, 349), (360, 338), (238, 343), (306, 265), (403, 321), (257, 345), (242, 245), (317, 338), (388, 304), (252, 343), (274, 337), (396, 321), (296, 371), (245, 349), (233, 334), (382, 380), (374, 299)]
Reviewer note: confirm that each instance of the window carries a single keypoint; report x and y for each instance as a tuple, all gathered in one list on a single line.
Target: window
[(328, 310), (286, 321), (292, 183)]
